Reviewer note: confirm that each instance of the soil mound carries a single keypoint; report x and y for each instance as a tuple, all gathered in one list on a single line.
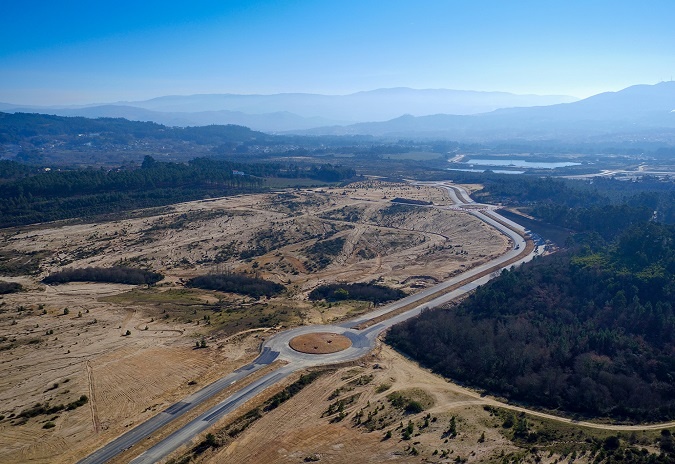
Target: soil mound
[(320, 343)]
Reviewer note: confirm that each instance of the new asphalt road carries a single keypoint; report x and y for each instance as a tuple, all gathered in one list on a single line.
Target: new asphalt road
[(277, 347)]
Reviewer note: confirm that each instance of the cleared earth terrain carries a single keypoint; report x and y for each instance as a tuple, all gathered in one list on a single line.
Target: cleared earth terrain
[(113, 355)]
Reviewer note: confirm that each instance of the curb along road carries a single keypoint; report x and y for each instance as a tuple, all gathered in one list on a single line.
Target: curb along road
[(277, 347)]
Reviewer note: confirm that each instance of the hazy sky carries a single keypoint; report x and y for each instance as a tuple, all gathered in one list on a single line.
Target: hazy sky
[(59, 52)]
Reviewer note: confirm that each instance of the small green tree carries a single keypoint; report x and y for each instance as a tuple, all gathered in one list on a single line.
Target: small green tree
[(521, 427), (211, 440), (452, 430), (340, 294), (66, 311), (666, 441)]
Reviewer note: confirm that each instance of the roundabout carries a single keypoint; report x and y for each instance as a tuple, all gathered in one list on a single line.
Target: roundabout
[(318, 345)]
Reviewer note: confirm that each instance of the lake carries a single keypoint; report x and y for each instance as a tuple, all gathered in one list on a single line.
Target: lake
[(519, 163), (496, 171)]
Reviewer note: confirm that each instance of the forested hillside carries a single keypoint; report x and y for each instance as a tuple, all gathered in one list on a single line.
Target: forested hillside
[(600, 205), (589, 331), (31, 196), (21, 127)]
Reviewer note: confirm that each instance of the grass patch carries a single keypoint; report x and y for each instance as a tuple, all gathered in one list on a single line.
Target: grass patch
[(155, 296), (228, 315), (383, 387), (411, 401)]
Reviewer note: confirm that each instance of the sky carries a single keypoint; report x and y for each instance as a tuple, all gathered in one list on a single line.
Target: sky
[(77, 52)]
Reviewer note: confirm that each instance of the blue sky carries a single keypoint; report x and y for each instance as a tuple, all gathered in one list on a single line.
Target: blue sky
[(62, 52)]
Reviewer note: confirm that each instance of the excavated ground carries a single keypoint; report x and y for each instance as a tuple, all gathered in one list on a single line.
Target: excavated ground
[(52, 356)]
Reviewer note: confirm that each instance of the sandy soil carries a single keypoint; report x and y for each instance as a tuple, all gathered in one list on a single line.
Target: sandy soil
[(126, 378), (320, 343), (300, 430), (304, 430), (51, 357)]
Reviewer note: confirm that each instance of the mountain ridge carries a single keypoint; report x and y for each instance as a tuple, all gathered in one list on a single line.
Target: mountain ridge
[(636, 110), (298, 111)]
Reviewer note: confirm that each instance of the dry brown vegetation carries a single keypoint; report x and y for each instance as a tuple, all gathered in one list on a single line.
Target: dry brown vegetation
[(49, 355), (352, 412)]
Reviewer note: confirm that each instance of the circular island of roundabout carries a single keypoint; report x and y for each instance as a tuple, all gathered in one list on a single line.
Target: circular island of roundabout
[(320, 343)]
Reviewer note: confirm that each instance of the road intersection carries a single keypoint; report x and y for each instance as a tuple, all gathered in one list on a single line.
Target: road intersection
[(363, 339)]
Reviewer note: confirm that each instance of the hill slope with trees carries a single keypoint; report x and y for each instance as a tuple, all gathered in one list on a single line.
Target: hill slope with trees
[(39, 196), (586, 331)]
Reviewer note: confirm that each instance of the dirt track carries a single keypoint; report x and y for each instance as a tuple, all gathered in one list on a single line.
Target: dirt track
[(129, 378)]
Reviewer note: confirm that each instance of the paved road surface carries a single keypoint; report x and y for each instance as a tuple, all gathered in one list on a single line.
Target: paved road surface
[(276, 347), (147, 428)]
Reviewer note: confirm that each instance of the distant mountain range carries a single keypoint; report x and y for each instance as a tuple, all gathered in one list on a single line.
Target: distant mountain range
[(642, 113), (299, 111), (637, 112)]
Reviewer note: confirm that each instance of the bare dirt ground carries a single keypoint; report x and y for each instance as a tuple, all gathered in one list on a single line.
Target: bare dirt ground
[(320, 343), (300, 238), (370, 425), (126, 378)]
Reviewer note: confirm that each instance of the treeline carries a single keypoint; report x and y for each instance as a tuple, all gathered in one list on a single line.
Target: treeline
[(53, 195), (410, 201), (36, 128), (323, 172), (10, 170), (236, 283), (358, 291), (586, 331), (116, 274), (576, 203), (152, 175), (9, 287), (597, 206)]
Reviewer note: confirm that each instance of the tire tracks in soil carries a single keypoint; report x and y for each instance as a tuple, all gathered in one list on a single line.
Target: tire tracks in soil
[(92, 398)]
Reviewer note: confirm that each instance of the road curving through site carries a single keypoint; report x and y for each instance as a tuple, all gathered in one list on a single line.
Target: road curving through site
[(361, 332)]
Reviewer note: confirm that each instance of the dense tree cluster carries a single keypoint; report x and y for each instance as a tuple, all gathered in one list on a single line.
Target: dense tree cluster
[(51, 195), (411, 201), (602, 206), (358, 291), (606, 220), (84, 192), (330, 173), (22, 127), (116, 274), (9, 287), (237, 283), (587, 331), (10, 170)]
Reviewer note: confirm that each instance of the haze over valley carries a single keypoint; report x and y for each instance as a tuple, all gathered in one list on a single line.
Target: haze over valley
[(282, 232)]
